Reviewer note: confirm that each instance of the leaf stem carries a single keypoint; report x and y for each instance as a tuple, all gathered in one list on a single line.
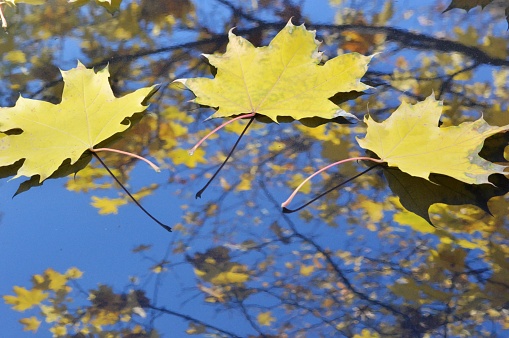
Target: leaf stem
[(151, 164), (198, 194), (289, 211), (193, 149), (289, 200), (167, 228)]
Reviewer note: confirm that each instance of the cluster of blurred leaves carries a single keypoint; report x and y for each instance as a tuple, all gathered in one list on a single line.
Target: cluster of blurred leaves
[(52, 295)]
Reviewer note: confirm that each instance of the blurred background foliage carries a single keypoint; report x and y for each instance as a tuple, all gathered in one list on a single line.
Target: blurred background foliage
[(356, 262)]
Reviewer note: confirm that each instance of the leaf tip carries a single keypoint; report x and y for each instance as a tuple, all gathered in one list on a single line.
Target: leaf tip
[(342, 113), (290, 23), (80, 65), (180, 81), (231, 35)]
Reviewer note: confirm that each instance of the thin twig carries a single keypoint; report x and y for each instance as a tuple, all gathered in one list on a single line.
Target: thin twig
[(193, 320), (198, 194), (167, 228)]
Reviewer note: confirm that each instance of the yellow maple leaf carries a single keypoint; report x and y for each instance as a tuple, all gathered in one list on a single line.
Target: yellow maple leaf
[(284, 78), (306, 270), (107, 205), (295, 181), (265, 318), (87, 179), (105, 317), (30, 324), (245, 183), (51, 314), (181, 156), (411, 140), (365, 333), (196, 329), (229, 277), (25, 299), (73, 273), (57, 280), (88, 114), (59, 331)]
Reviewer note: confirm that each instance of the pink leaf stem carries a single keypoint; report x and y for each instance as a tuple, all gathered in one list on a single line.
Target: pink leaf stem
[(151, 164), (221, 126), (289, 200)]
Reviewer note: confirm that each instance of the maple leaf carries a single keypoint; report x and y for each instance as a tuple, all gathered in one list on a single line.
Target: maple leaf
[(284, 78), (30, 324), (107, 205), (88, 114), (73, 273), (58, 331), (306, 270), (57, 281), (25, 299), (411, 140), (236, 275), (215, 266), (265, 318)]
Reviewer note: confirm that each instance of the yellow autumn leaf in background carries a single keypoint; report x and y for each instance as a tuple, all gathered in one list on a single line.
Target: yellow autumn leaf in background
[(57, 280), (30, 324), (296, 179), (365, 333), (50, 313), (229, 277), (181, 156), (411, 140), (15, 56), (196, 329), (111, 5), (25, 299), (73, 273), (265, 318), (245, 183), (58, 331), (88, 114), (107, 205), (284, 78), (306, 270), (87, 179)]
